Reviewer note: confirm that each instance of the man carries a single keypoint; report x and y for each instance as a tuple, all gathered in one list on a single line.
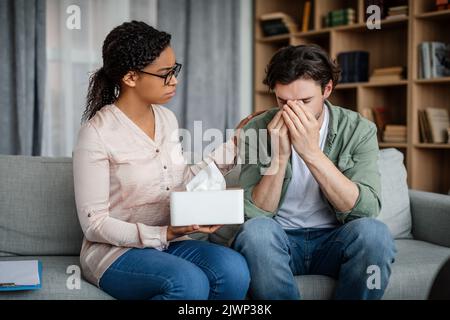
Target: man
[(311, 209)]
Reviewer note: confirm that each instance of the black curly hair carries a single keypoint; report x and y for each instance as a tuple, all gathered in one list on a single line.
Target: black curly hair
[(128, 47), (301, 62)]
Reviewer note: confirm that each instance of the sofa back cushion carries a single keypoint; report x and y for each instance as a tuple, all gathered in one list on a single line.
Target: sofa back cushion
[(395, 211), (37, 207)]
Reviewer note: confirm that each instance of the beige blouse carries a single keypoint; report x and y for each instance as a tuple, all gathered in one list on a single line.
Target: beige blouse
[(123, 180)]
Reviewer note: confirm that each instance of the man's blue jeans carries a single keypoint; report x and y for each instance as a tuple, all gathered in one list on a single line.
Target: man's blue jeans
[(187, 270), (358, 254)]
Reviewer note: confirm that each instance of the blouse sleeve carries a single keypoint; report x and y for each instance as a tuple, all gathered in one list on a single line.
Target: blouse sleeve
[(92, 187)]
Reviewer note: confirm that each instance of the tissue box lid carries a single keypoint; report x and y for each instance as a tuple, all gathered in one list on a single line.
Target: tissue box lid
[(207, 207)]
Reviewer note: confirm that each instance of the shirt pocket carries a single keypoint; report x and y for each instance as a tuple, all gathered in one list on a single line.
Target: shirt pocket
[(139, 175)]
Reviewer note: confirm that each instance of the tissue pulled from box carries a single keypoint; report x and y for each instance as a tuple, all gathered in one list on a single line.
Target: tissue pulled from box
[(209, 178)]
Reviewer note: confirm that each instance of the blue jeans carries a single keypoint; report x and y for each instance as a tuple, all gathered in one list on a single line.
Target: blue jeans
[(187, 270), (347, 253)]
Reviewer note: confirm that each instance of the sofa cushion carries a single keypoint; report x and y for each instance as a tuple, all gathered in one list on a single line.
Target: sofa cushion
[(37, 207), (395, 211), (415, 267), (54, 279)]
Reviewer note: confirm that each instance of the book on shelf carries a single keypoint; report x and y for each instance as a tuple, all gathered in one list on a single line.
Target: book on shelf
[(433, 125), (423, 130), (398, 12), (394, 133), (442, 4), (394, 139), (354, 65), (277, 23), (386, 78), (382, 117), (340, 17), (448, 135), (390, 74), (439, 123), (434, 60), (308, 14), (395, 128)]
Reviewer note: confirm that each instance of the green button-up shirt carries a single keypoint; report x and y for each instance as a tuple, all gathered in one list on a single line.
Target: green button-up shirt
[(351, 145)]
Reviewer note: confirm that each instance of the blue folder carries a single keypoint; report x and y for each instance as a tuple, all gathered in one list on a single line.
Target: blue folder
[(20, 288)]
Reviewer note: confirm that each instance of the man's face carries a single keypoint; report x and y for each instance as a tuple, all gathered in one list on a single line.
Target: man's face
[(306, 91)]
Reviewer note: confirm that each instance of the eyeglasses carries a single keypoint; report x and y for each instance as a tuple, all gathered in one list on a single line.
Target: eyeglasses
[(168, 76)]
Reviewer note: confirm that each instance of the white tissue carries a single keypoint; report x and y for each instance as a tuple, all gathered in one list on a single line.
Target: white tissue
[(209, 178)]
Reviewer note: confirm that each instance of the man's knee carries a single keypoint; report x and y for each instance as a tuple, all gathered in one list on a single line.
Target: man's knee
[(371, 234), (258, 231)]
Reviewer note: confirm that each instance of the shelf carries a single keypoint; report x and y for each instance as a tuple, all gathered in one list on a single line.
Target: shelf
[(434, 80), (312, 33), (345, 86), (274, 39), (401, 145), (434, 15), (385, 84), (432, 145), (352, 27)]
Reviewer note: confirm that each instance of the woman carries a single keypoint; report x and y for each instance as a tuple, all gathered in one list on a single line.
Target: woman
[(126, 165)]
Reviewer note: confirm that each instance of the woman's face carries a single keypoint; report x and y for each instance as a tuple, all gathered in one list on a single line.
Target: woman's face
[(153, 89)]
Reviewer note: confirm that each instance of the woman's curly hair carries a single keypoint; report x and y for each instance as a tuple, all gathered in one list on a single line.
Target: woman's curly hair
[(128, 47)]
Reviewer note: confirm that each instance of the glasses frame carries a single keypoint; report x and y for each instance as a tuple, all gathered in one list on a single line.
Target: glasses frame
[(175, 71)]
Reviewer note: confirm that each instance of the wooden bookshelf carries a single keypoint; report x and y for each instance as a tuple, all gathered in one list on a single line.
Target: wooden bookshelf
[(396, 43)]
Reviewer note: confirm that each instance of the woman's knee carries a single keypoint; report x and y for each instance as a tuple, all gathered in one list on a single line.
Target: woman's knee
[(230, 276), (190, 283)]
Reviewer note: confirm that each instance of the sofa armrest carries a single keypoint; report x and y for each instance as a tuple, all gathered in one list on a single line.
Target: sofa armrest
[(430, 217)]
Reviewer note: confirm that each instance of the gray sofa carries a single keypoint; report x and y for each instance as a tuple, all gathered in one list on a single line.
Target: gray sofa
[(38, 220)]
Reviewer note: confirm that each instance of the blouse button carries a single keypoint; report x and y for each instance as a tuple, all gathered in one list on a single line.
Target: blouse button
[(167, 188), (165, 167), (89, 215), (157, 150)]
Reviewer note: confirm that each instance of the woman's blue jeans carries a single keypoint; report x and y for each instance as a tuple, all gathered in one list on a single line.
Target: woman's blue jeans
[(358, 254), (187, 270)]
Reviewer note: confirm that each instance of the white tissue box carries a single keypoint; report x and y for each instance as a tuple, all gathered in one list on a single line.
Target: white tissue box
[(207, 207)]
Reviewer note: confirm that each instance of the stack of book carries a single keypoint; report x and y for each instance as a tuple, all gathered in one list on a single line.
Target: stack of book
[(442, 4), (277, 23), (434, 60), (388, 8), (394, 133), (390, 74), (354, 65), (397, 12), (434, 124), (340, 17)]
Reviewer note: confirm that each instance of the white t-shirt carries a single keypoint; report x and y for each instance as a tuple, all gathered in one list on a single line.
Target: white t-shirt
[(305, 205)]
